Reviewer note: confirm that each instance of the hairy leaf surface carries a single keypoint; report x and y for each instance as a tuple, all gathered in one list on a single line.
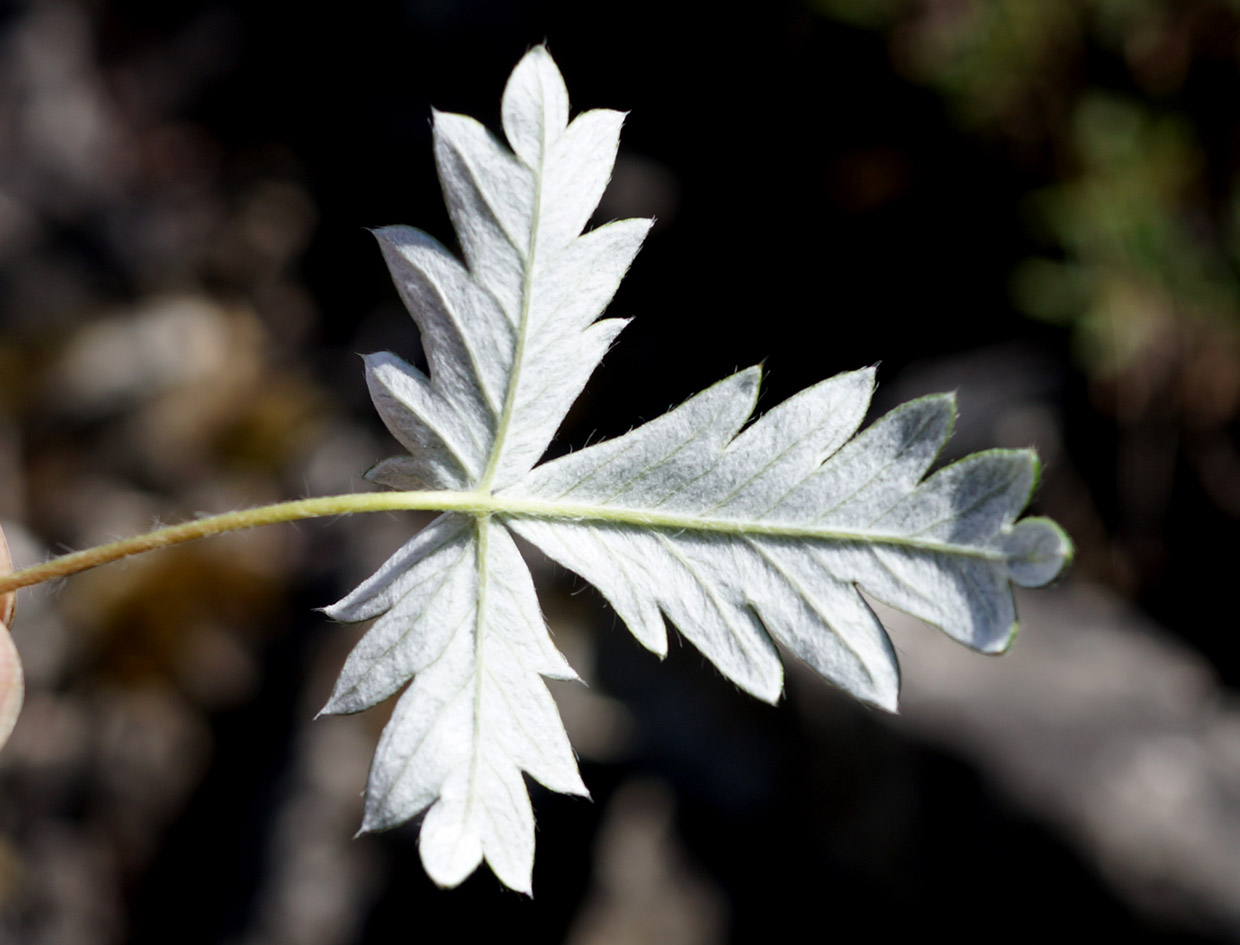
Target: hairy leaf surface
[(741, 533)]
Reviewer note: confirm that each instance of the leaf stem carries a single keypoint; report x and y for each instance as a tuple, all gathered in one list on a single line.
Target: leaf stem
[(477, 503), (236, 521)]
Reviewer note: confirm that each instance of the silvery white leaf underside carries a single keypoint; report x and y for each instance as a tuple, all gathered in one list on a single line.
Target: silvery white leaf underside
[(741, 533)]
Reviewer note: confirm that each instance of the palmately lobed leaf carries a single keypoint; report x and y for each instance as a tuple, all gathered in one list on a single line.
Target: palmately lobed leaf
[(743, 533)]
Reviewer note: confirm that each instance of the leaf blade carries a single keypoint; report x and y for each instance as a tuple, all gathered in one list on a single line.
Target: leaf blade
[(476, 714), (511, 340), (743, 532), (838, 516)]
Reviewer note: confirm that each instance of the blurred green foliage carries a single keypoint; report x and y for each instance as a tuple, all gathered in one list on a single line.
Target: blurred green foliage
[(1125, 110)]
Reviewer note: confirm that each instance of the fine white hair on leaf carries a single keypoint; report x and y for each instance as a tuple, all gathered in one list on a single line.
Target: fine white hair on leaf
[(743, 533)]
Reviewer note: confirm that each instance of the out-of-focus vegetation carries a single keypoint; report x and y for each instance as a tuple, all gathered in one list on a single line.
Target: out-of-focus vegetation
[(1121, 113), (185, 275)]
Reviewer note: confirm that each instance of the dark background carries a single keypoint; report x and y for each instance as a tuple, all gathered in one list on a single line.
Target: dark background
[(1034, 208)]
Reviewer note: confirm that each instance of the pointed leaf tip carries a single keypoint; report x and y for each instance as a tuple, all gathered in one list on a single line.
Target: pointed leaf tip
[(534, 109)]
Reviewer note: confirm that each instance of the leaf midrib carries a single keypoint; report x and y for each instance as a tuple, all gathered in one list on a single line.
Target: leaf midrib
[(518, 355), (485, 504)]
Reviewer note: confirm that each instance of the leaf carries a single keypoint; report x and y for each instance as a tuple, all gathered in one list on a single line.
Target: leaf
[(743, 536)]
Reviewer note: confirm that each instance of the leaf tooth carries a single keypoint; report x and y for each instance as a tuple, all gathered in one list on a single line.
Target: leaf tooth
[(420, 749), (825, 416), (469, 342), (411, 635), (490, 197), (417, 415), (578, 282), (544, 396), (514, 613), (507, 825), (409, 472), (577, 170), (704, 426), (678, 446), (966, 596), (611, 559), (875, 469), (534, 108), (490, 194), (781, 449), (967, 502), (523, 723), (450, 843), (1037, 551), (704, 597), (397, 574), (825, 623), (482, 812)]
